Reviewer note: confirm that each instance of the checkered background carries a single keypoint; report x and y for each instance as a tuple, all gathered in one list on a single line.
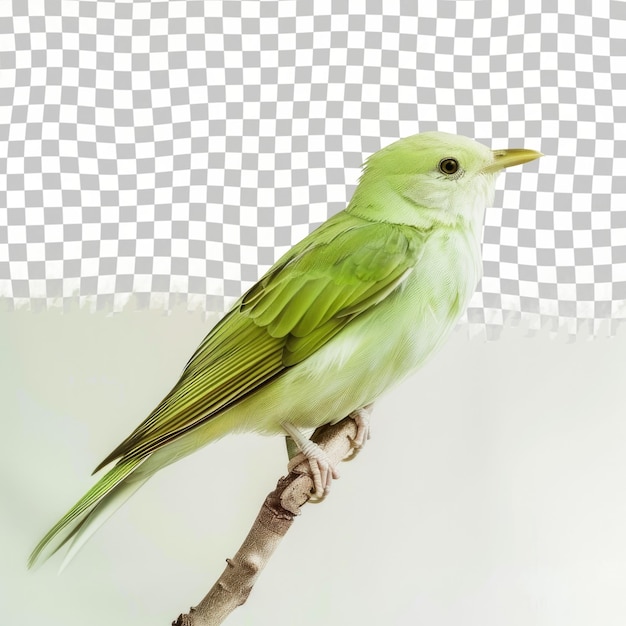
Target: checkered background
[(174, 149)]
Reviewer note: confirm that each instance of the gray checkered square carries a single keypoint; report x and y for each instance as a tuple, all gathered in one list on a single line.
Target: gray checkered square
[(174, 149)]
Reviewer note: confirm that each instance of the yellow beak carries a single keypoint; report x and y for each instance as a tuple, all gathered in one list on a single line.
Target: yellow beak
[(512, 156)]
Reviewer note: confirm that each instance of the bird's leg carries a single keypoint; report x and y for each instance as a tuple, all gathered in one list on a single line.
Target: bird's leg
[(322, 470), (292, 448), (362, 418)]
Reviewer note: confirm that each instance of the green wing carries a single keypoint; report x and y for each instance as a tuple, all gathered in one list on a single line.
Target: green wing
[(340, 270)]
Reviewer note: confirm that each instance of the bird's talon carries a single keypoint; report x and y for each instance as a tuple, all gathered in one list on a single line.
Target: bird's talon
[(362, 419), (320, 469)]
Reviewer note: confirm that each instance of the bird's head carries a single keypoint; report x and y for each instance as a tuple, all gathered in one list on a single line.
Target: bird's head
[(441, 178)]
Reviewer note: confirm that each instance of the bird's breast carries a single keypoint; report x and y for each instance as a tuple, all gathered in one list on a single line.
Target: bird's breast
[(434, 296), (447, 273), (396, 336)]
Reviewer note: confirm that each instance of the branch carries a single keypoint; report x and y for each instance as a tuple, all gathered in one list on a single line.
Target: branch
[(272, 523)]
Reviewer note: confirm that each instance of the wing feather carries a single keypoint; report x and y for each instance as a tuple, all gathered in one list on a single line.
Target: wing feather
[(347, 266)]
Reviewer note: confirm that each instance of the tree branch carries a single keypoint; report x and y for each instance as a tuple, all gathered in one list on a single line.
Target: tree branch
[(272, 523)]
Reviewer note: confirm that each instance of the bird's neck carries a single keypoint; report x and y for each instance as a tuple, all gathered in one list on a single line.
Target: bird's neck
[(379, 202)]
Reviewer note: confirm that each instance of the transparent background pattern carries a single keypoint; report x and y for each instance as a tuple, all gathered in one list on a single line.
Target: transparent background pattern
[(174, 149)]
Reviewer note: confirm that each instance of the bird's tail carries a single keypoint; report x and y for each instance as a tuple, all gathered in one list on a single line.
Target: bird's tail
[(91, 511)]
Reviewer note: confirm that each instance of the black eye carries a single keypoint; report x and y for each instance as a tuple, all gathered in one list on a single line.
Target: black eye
[(448, 166)]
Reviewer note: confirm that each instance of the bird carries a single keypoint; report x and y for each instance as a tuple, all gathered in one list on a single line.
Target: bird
[(349, 311)]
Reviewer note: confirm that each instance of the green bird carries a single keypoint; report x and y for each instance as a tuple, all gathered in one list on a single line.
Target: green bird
[(349, 311)]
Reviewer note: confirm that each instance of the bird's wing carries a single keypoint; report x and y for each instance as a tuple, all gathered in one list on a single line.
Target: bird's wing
[(339, 271)]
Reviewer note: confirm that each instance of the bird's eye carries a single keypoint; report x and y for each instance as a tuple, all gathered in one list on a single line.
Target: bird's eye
[(448, 166)]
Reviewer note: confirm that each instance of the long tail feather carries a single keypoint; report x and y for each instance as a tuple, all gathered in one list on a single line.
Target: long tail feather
[(100, 514), (83, 515)]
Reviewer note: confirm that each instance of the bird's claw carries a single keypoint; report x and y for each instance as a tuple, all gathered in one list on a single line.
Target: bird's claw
[(321, 469), (363, 432)]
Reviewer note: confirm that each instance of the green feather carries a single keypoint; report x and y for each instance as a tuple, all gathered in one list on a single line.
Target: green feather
[(71, 522), (310, 293)]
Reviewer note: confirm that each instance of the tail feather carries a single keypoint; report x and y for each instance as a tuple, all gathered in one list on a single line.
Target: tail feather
[(86, 516), (100, 514)]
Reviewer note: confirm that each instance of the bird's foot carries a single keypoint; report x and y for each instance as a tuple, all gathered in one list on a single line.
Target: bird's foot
[(322, 470), (362, 420)]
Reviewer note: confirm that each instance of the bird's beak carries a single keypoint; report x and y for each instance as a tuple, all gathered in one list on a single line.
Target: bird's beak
[(509, 157)]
